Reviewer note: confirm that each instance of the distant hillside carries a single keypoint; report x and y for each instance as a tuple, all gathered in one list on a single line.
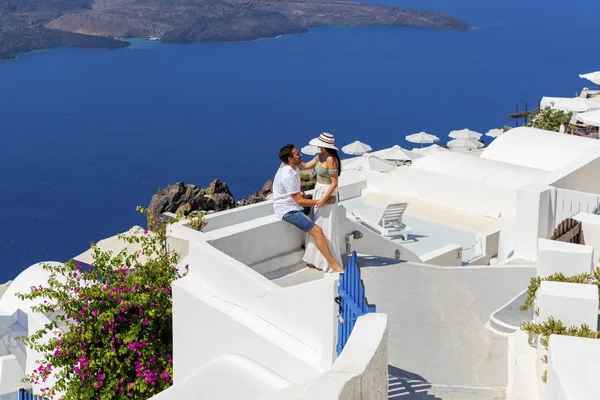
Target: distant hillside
[(27, 25)]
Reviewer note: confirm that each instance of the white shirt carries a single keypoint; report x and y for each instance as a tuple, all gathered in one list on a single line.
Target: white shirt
[(285, 184)]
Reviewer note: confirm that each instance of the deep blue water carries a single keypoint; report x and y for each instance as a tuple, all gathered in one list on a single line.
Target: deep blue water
[(86, 135)]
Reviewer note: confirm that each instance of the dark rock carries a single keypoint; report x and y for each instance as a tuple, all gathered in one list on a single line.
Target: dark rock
[(267, 187), (259, 196), (217, 186), (178, 197)]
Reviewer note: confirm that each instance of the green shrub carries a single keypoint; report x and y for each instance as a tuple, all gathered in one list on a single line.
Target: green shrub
[(555, 327), (549, 119)]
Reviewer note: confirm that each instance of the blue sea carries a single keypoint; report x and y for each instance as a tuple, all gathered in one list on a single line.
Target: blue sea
[(86, 135)]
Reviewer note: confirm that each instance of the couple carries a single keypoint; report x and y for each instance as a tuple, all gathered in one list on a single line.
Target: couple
[(289, 203)]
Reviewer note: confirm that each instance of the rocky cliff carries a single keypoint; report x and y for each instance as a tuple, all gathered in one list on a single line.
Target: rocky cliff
[(35, 24), (181, 197)]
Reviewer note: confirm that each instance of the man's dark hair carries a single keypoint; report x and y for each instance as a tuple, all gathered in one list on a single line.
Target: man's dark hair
[(286, 153)]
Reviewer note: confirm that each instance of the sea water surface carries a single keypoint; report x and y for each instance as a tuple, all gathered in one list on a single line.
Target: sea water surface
[(86, 135)]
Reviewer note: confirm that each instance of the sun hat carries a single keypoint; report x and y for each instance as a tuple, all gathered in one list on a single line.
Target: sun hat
[(324, 140)]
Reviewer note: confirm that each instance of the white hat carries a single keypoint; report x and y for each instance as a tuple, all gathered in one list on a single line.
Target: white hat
[(324, 140)]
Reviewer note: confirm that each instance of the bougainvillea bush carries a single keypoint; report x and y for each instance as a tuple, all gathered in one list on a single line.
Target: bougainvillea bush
[(111, 334)]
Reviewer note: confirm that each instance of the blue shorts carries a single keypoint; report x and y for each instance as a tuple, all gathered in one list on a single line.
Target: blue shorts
[(299, 219)]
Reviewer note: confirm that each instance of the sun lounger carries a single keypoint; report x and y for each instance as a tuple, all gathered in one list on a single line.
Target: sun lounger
[(387, 222)]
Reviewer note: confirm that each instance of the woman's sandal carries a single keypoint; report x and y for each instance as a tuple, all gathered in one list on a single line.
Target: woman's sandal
[(309, 265)]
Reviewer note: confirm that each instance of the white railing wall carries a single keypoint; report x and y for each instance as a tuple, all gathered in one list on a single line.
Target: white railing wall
[(570, 202)]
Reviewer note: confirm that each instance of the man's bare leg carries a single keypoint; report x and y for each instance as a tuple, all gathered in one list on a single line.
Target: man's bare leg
[(321, 242)]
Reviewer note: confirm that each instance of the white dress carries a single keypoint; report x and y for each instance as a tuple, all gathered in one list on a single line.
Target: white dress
[(328, 219)]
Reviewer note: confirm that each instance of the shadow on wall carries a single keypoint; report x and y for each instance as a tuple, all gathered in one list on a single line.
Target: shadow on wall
[(407, 385), (372, 261)]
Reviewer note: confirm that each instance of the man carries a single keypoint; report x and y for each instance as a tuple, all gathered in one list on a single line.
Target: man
[(289, 204)]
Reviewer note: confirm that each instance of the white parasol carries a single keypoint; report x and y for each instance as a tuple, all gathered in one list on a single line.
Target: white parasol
[(465, 134), (592, 77), (396, 153), (422, 137), (357, 148), (494, 133), (310, 150), (370, 162), (465, 143)]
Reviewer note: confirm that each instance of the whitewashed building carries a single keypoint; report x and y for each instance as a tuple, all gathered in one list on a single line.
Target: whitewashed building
[(250, 321)]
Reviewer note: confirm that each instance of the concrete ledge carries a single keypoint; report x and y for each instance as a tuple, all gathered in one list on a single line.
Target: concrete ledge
[(509, 317), (567, 258), (573, 368), (360, 372), (521, 363), (366, 354), (450, 256), (259, 241), (572, 303), (238, 215), (246, 379)]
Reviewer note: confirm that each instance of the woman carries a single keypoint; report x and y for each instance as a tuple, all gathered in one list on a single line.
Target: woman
[(328, 167)]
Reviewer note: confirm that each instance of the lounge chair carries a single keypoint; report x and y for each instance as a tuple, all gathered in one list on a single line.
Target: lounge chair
[(387, 222)]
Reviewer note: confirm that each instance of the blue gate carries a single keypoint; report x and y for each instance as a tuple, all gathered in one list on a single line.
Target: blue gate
[(27, 395), (352, 301)]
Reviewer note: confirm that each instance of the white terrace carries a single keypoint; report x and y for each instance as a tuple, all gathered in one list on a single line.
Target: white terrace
[(251, 322)]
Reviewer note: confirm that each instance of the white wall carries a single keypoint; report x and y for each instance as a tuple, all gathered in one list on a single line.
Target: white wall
[(373, 243), (261, 243), (567, 258), (206, 327), (245, 379), (238, 215), (521, 362), (506, 242), (11, 374), (579, 174), (573, 368), (574, 304), (351, 188), (590, 225), (450, 255), (570, 203), (535, 218), (360, 373), (12, 307)]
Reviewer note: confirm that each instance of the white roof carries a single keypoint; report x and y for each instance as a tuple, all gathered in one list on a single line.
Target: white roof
[(590, 117), (576, 104), (476, 169), (35, 275), (550, 101), (537, 148), (460, 182)]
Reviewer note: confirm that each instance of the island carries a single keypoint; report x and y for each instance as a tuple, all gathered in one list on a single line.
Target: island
[(27, 25)]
